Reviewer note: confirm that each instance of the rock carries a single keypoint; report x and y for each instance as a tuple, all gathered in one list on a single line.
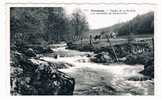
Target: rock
[(130, 59), (138, 78), (149, 69), (38, 77), (88, 55), (102, 57), (49, 50), (30, 52), (41, 49), (142, 58), (55, 56), (123, 59), (106, 57)]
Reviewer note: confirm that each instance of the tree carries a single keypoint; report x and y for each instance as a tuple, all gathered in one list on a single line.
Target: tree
[(46, 24), (23, 24), (79, 23), (38, 24), (56, 24), (141, 24)]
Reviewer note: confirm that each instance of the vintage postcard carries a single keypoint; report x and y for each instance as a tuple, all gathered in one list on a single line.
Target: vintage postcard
[(81, 48)]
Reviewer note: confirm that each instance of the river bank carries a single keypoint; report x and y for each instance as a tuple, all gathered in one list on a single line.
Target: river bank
[(130, 53), (30, 75)]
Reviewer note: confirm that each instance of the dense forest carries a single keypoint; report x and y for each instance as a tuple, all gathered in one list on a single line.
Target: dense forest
[(45, 25)]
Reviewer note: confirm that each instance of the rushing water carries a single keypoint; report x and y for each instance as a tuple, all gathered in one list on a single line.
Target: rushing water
[(98, 79)]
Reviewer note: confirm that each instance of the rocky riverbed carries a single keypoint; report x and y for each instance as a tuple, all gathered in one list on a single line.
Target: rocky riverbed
[(31, 75), (71, 72), (102, 79)]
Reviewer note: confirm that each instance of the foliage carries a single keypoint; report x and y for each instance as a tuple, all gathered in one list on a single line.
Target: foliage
[(36, 25), (141, 24), (79, 23)]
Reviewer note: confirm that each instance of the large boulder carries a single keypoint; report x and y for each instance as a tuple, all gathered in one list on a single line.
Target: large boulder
[(41, 49), (141, 58), (102, 57), (30, 52), (149, 69), (37, 77)]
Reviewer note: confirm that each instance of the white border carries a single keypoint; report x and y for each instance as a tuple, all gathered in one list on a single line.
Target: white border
[(4, 43)]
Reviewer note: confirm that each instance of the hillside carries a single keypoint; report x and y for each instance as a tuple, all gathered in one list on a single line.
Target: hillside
[(141, 24)]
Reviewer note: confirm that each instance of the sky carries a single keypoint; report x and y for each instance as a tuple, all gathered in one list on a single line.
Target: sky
[(100, 16)]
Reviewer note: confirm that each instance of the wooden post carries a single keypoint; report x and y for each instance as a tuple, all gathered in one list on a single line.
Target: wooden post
[(81, 42), (108, 40), (90, 41)]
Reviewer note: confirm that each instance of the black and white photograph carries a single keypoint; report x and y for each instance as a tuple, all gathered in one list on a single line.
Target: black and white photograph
[(82, 49)]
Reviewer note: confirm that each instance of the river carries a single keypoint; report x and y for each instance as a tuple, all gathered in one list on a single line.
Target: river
[(99, 79)]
